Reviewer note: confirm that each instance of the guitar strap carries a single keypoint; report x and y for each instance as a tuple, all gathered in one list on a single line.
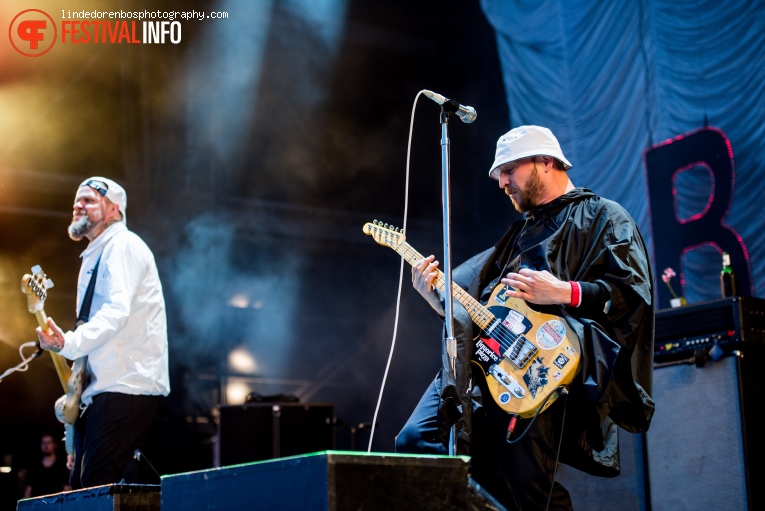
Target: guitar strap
[(84, 314), (83, 317), (502, 261)]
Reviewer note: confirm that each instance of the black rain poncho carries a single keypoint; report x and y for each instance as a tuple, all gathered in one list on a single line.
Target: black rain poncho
[(577, 237)]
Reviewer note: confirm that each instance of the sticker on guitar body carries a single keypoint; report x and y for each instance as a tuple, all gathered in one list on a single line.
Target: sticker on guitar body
[(551, 334), (536, 377), (487, 350)]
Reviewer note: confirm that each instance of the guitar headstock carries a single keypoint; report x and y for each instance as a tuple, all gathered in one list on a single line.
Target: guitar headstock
[(385, 234), (36, 287)]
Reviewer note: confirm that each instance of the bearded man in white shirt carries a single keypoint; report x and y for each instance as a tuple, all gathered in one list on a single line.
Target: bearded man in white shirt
[(123, 335)]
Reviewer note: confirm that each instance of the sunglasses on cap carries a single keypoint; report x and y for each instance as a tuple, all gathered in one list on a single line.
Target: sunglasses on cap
[(98, 186)]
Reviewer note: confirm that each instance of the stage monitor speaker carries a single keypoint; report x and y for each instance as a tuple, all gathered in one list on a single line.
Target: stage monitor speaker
[(329, 481), (110, 497), (703, 447), (261, 431)]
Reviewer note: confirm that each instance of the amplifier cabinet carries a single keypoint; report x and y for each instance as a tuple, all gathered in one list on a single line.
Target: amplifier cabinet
[(261, 431), (629, 490), (722, 325), (704, 445)]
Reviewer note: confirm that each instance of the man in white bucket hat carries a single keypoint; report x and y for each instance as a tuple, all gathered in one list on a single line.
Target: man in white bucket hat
[(575, 266), (120, 341), (530, 144)]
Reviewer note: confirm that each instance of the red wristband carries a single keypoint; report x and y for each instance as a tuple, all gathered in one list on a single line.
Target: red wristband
[(576, 294)]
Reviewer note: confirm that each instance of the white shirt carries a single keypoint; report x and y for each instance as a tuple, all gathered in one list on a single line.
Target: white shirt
[(125, 339)]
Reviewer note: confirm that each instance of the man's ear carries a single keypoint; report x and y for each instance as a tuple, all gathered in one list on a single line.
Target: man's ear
[(114, 210)]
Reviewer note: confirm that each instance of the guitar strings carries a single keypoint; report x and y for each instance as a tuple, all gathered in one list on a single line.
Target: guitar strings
[(506, 337)]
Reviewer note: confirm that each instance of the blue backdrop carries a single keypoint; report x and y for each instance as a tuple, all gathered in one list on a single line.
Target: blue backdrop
[(613, 79)]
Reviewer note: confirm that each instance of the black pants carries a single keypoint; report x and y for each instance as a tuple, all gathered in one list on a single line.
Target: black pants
[(107, 435), (519, 475)]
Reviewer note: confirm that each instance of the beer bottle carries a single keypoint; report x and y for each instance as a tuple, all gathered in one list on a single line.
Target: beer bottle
[(727, 277)]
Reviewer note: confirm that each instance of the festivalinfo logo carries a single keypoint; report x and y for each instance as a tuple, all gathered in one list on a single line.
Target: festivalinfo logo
[(33, 32)]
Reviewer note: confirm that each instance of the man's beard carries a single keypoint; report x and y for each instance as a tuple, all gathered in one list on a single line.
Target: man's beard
[(79, 228), (529, 196)]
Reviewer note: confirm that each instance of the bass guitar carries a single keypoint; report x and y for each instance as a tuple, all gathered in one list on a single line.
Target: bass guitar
[(67, 407), (525, 356)]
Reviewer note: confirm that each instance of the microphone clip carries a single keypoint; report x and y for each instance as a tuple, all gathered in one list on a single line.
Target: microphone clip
[(467, 114), (450, 106)]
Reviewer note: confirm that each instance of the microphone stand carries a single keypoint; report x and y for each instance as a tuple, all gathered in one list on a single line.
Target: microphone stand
[(450, 342)]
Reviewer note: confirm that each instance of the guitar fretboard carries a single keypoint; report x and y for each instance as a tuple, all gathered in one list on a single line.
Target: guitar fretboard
[(479, 314)]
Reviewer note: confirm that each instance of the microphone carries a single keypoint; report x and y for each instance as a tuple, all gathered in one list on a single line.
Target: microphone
[(466, 114)]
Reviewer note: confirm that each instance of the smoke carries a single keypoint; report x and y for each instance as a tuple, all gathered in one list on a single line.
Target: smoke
[(229, 292)]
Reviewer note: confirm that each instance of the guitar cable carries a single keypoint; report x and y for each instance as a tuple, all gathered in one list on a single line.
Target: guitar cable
[(560, 443), (24, 364), (34, 355), (511, 426), (138, 456)]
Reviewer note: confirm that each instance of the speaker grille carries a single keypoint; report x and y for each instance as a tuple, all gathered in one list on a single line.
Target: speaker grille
[(695, 444)]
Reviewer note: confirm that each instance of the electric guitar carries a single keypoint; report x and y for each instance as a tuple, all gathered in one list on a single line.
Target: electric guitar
[(67, 407), (525, 356)]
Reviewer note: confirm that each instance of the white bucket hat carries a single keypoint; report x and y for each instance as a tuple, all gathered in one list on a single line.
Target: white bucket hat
[(109, 189), (525, 141)]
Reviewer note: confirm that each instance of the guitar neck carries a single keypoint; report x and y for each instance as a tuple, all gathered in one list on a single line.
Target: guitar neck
[(62, 368), (478, 313)]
